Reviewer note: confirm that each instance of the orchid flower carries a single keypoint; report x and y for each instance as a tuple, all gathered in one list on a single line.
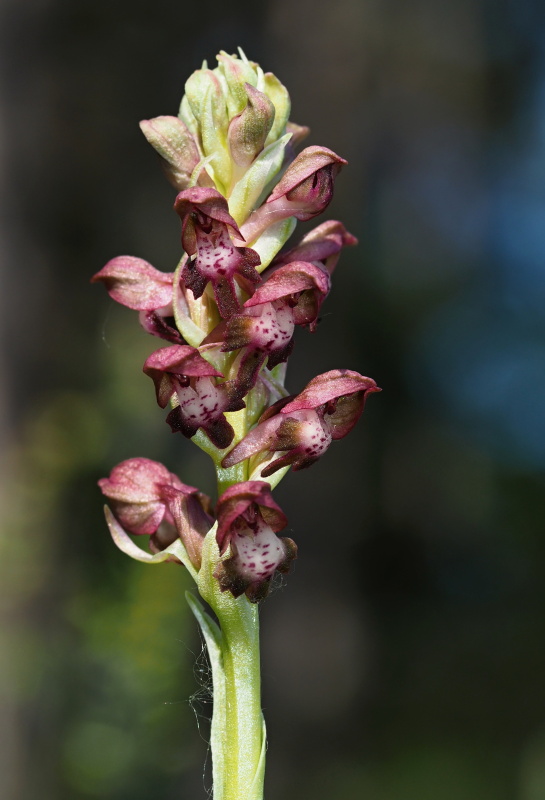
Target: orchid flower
[(212, 255), (147, 499), (304, 426), (248, 521), (180, 370), (292, 295)]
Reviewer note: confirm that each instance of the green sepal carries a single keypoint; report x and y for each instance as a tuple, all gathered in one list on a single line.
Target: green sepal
[(250, 187), (272, 240), (279, 96), (123, 541)]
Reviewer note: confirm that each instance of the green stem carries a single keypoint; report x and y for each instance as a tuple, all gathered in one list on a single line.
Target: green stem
[(238, 733), (244, 740)]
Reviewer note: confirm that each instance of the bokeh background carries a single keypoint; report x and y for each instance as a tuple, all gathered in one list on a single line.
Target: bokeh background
[(404, 657)]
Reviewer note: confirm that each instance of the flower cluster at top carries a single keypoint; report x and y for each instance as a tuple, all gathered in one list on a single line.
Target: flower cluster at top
[(228, 315)]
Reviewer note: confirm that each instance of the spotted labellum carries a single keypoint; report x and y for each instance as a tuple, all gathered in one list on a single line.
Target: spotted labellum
[(248, 521)]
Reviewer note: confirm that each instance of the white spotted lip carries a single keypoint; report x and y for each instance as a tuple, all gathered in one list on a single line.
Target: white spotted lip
[(258, 553)]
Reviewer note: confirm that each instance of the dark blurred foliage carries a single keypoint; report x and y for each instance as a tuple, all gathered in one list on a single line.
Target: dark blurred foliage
[(404, 658)]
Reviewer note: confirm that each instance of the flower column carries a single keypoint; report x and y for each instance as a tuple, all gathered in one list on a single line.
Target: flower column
[(227, 314)]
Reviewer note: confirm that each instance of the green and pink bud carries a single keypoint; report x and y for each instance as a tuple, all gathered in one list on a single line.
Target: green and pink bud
[(177, 148), (235, 112), (249, 130)]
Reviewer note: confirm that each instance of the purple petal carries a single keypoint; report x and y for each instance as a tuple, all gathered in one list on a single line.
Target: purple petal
[(138, 480), (209, 203), (137, 490), (288, 279), (328, 387), (135, 283), (177, 362), (181, 360), (324, 244)]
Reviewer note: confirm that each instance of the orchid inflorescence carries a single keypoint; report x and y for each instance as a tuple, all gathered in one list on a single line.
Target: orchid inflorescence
[(228, 314)]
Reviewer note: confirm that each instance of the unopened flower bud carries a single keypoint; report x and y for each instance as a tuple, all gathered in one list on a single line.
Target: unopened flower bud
[(175, 144), (249, 130), (235, 112), (205, 95), (237, 72)]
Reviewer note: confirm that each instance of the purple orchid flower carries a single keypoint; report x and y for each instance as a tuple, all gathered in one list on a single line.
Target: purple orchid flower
[(303, 192), (147, 499), (181, 370), (304, 426), (292, 295), (212, 255), (248, 521), (134, 283)]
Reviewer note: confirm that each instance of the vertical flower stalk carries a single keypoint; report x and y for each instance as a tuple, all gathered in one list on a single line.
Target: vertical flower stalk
[(227, 315)]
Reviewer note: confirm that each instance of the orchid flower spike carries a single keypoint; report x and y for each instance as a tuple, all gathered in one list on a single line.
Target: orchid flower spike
[(227, 313)]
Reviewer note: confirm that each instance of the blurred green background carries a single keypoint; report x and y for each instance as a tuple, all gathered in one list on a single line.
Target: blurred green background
[(404, 657)]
